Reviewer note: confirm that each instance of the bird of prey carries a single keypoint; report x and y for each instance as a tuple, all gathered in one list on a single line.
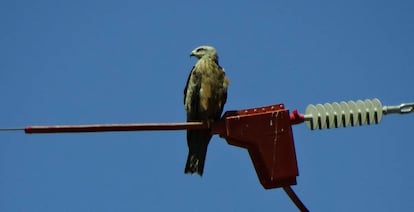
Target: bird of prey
[(205, 94)]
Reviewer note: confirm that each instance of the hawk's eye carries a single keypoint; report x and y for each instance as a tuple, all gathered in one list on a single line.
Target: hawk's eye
[(199, 49)]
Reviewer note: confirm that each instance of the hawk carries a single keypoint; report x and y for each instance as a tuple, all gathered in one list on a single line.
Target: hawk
[(205, 94)]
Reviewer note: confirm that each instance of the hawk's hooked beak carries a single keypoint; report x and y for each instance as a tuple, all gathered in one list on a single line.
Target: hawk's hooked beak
[(192, 54)]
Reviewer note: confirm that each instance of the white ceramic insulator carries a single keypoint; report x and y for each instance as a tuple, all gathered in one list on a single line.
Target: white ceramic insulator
[(344, 114)]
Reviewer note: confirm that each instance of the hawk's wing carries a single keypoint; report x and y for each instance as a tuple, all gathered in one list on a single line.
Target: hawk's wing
[(186, 84), (192, 94), (224, 96)]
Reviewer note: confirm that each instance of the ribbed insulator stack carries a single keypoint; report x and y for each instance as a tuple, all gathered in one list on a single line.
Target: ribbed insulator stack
[(344, 114)]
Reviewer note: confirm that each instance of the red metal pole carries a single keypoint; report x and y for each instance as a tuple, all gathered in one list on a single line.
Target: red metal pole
[(114, 127), (217, 127)]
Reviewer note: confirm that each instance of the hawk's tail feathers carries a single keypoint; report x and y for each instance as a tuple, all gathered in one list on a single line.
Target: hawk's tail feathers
[(197, 149), (195, 164)]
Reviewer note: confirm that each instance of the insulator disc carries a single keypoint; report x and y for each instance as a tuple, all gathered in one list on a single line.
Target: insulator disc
[(363, 114), (345, 119), (353, 113), (330, 116), (378, 110), (322, 116), (311, 110), (337, 115)]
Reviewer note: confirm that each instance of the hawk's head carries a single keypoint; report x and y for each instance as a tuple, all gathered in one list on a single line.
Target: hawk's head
[(205, 51)]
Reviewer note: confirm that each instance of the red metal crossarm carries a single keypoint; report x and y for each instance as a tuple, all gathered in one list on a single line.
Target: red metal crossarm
[(114, 127)]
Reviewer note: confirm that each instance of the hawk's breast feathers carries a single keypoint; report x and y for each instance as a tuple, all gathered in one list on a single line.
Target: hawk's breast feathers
[(206, 90)]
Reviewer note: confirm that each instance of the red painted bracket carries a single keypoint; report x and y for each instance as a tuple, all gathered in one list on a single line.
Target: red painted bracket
[(267, 135)]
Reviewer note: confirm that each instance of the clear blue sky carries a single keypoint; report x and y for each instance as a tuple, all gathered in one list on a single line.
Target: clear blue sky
[(86, 62)]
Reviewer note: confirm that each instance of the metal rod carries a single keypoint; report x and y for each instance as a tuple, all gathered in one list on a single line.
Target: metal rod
[(114, 127), (11, 129), (401, 109), (292, 195)]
